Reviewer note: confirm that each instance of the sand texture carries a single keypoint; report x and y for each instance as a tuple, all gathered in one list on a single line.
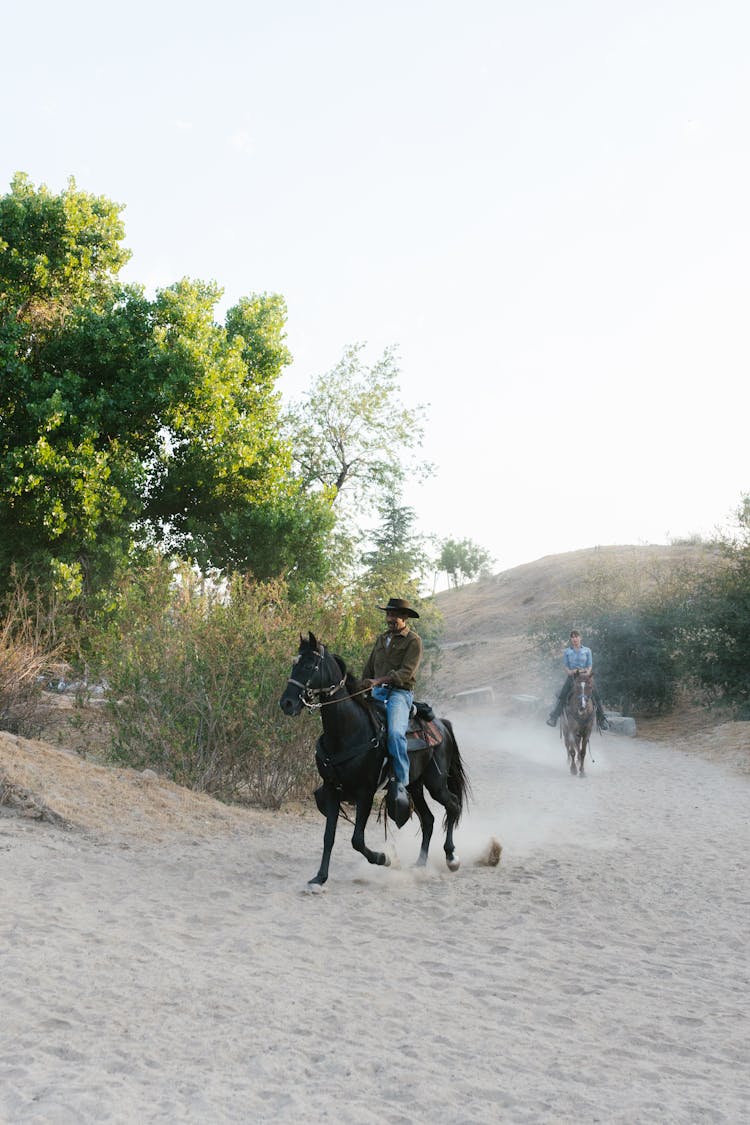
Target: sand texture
[(162, 963)]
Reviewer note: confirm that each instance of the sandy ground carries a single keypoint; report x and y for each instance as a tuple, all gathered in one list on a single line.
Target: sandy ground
[(162, 963)]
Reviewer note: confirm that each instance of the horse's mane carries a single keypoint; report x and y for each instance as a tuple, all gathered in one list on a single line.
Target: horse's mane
[(352, 685)]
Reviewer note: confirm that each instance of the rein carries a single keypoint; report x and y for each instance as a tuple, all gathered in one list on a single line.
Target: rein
[(317, 691), (329, 691), (310, 703)]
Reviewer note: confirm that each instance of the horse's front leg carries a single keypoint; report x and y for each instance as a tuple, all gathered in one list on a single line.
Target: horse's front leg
[(572, 751), (364, 805), (450, 851), (329, 804), (426, 820)]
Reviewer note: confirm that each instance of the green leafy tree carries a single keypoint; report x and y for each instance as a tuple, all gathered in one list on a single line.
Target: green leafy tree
[(57, 250), (353, 436), (395, 567), (463, 561), (398, 559), (126, 421)]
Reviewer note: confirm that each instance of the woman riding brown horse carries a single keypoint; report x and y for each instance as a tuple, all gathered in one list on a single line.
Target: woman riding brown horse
[(578, 717)]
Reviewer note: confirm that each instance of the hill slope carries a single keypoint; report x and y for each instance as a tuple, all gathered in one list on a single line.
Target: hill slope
[(487, 624)]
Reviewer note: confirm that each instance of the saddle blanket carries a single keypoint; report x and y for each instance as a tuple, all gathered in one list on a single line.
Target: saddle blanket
[(422, 734)]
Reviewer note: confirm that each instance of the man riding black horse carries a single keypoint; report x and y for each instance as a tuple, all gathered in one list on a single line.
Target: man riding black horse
[(390, 671)]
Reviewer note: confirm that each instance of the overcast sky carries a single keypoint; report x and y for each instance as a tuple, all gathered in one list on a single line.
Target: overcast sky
[(542, 205)]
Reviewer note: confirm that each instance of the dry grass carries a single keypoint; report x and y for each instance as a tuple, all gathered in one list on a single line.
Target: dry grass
[(48, 783)]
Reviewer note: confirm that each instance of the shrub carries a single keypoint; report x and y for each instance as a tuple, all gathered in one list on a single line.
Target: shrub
[(29, 649), (717, 645), (637, 619), (196, 668), (636, 661), (195, 672)]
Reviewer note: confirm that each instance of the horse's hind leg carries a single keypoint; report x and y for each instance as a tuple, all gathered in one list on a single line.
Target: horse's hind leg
[(364, 805), (426, 819), (437, 785)]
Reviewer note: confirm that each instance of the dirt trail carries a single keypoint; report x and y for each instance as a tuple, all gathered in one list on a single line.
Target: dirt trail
[(598, 974)]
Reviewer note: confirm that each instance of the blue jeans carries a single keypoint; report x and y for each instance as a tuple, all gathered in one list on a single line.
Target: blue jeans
[(397, 703)]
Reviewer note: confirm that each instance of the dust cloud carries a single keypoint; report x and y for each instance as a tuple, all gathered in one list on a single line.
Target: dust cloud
[(523, 792)]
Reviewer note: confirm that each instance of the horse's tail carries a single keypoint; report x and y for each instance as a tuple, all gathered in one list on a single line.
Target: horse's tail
[(458, 781)]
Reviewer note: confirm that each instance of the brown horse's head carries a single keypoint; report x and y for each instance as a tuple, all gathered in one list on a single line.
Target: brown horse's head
[(581, 698)]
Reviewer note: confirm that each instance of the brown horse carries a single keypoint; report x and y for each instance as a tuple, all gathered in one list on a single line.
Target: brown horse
[(578, 717)]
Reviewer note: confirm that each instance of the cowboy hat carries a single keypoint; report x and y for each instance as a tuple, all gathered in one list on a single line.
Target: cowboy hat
[(402, 608)]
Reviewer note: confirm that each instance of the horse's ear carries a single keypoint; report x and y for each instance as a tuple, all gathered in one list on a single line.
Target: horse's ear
[(312, 641)]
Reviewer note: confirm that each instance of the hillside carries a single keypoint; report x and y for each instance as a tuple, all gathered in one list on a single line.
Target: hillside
[(487, 624)]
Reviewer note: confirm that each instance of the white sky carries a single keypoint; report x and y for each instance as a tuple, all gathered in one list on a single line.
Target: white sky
[(543, 205)]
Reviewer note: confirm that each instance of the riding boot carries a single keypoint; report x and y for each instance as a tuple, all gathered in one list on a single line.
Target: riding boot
[(560, 702), (398, 802)]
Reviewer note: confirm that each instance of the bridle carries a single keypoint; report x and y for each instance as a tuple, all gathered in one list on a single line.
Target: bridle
[(584, 698), (308, 694)]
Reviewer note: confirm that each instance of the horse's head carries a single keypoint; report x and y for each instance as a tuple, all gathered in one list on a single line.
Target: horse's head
[(582, 692), (313, 674)]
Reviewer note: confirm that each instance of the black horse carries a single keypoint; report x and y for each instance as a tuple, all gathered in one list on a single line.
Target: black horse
[(351, 756)]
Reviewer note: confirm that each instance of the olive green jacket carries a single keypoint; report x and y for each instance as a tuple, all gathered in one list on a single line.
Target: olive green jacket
[(399, 659)]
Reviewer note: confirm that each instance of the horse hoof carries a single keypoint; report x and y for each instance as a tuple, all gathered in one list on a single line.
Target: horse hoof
[(454, 863), (314, 889), (386, 861)]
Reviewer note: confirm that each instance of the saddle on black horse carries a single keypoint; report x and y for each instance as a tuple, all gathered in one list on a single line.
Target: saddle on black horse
[(352, 753), (422, 734)]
